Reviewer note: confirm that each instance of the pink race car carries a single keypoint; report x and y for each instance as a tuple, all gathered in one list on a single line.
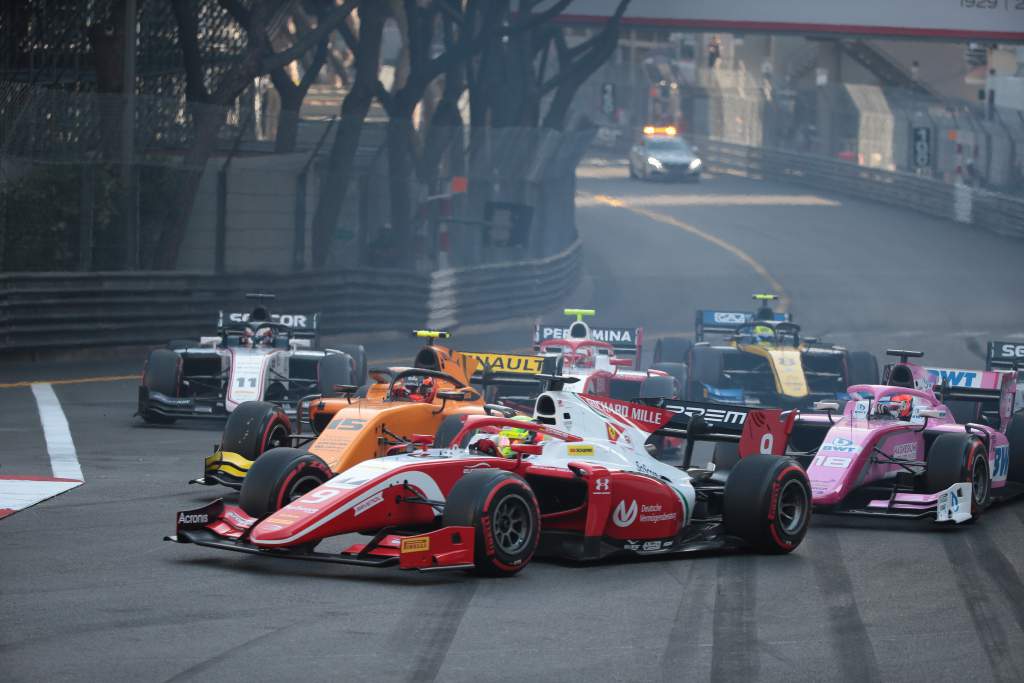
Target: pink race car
[(896, 450)]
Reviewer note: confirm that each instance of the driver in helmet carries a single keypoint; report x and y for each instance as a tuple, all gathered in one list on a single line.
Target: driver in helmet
[(764, 334), (510, 436), (900, 406), (420, 390)]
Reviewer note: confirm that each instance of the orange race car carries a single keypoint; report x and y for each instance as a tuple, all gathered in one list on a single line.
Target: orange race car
[(401, 408)]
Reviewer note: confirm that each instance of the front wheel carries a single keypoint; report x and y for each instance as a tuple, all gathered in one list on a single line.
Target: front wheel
[(503, 510), (278, 477), (767, 503), (956, 458), (254, 427)]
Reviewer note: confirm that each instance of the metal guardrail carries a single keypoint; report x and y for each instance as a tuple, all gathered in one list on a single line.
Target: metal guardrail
[(999, 213), (49, 311)]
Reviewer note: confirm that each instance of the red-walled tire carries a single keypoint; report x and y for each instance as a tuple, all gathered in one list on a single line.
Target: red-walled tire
[(255, 427), (504, 511), (768, 503), (280, 476)]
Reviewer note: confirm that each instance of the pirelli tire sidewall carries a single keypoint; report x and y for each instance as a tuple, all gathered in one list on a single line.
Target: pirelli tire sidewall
[(475, 499), (273, 480), (758, 488), (255, 427)]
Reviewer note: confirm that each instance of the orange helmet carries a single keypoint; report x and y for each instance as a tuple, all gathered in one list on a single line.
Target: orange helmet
[(906, 405)]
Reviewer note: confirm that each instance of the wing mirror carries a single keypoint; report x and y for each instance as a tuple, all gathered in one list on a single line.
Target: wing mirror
[(422, 439), (621, 362), (827, 406), (451, 395), (931, 412), (527, 448)]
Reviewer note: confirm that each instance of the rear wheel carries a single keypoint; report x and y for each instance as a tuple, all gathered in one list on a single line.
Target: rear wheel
[(255, 427), (334, 369), (658, 386), (162, 375), (503, 510), (280, 476), (861, 368), (358, 354), (767, 503), (448, 429), (705, 369), (679, 371), (672, 350), (956, 458), (1015, 435)]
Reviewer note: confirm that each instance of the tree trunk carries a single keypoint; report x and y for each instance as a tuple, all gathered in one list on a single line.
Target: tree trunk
[(208, 121), (400, 154), (346, 139), (288, 121)]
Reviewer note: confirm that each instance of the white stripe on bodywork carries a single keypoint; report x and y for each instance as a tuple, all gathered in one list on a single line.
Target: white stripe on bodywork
[(424, 482), (63, 458)]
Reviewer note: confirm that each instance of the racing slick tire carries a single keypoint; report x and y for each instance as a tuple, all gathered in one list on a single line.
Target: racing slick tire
[(705, 368), (632, 172), (278, 477), (162, 375), (1015, 435), (254, 428), (767, 503), (658, 386), (955, 458), (861, 368), (679, 371), (672, 350), (504, 511), (333, 370), (358, 354), (449, 428)]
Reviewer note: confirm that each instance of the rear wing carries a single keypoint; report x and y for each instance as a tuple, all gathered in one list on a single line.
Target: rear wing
[(1003, 355), (726, 322), (995, 390), (627, 341), (511, 377), (301, 324), (756, 430)]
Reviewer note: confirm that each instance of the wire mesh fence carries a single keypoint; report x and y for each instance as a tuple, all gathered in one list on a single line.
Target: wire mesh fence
[(92, 181)]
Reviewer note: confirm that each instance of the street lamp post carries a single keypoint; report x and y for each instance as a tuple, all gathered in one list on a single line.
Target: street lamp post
[(129, 194)]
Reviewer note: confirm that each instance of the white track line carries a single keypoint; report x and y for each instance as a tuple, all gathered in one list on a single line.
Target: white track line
[(18, 493), (61, 448)]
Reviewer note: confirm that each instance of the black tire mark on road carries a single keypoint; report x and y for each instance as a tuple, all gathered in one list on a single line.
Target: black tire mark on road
[(682, 642), (191, 672), (430, 629), (856, 660), (976, 595), (734, 651), (1000, 570)]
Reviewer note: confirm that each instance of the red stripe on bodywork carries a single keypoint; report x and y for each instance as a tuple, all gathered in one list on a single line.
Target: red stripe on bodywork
[(29, 477)]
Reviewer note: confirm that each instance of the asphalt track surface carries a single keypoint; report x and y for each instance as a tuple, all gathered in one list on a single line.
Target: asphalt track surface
[(89, 592)]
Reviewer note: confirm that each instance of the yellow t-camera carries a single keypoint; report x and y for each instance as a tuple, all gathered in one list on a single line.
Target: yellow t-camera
[(580, 313), (431, 334)]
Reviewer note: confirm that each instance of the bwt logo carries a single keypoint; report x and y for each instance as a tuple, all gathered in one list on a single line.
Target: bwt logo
[(954, 378)]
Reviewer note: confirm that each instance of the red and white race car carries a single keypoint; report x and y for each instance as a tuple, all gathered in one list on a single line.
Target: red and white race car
[(579, 485), (607, 360)]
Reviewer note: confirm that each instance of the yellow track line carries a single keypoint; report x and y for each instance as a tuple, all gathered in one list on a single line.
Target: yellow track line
[(80, 380), (697, 232)]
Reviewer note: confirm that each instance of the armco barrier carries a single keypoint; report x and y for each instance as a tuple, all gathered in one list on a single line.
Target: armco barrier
[(989, 210), (48, 311)]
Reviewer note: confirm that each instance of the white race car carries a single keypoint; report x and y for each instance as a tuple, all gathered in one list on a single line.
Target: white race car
[(257, 356)]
